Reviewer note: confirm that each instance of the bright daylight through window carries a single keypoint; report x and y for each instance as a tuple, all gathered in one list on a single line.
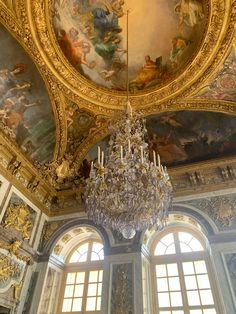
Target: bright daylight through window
[(182, 284), (83, 280)]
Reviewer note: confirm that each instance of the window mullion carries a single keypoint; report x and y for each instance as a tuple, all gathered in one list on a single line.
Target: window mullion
[(183, 287), (85, 292)]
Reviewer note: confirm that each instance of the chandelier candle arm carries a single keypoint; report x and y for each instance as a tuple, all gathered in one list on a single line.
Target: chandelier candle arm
[(159, 161), (154, 158), (99, 153), (129, 147), (141, 148), (102, 158)]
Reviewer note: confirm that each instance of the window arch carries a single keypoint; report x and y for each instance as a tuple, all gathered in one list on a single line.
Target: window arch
[(183, 282), (82, 284)]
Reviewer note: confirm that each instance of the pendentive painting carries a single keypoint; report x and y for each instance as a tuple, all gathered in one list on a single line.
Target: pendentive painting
[(25, 111), (163, 36), (182, 137), (191, 136)]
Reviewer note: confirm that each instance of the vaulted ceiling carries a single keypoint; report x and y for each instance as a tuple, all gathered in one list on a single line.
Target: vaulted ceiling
[(63, 74)]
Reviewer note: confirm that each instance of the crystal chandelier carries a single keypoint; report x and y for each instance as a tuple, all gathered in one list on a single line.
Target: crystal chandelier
[(125, 190)]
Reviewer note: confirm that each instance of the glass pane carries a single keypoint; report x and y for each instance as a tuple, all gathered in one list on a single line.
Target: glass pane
[(185, 237), (185, 248), (209, 311), (92, 289), (77, 305), (99, 289), (161, 270), (196, 245), (165, 312), (98, 306), (195, 311), (200, 267), (93, 276), (162, 284), (170, 249), (160, 249), (176, 299), (80, 277), (172, 269), (168, 239), (83, 257), (91, 304), (190, 282), (177, 312), (97, 247), (174, 284), (101, 255), (193, 298), (203, 281), (70, 278), (206, 297), (75, 257), (188, 268), (83, 248), (78, 291), (66, 305), (95, 257), (163, 299), (69, 291), (100, 275)]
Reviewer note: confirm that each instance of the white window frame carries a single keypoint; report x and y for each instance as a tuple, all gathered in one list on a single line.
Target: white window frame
[(80, 267), (178, 258)]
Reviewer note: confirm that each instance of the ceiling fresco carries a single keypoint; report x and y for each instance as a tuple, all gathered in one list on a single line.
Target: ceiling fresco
[(183, 137), (191, 136), (223, 87), (25, 112), (164, 36), (181, 79)]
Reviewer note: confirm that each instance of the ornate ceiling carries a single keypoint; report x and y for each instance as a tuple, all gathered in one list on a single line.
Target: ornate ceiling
[(63, 67)]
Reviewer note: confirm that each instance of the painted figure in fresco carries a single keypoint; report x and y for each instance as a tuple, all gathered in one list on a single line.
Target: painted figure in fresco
[(9, 81), (190, 12), (149, 72), (178, 47), (105, 18), (108, 46), (169, 152), (74, 49)]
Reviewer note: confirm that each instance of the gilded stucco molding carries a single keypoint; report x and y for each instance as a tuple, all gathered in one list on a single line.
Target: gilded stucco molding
[(219, 31), (22, 174), (192, 104)]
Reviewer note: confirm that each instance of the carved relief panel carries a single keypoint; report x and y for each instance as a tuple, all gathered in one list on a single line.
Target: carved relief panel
[(19, 217)]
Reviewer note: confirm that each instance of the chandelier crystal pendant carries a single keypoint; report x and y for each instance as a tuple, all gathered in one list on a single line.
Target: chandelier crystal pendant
[(125, 190)]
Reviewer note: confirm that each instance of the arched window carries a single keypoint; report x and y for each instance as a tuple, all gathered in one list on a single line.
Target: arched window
[(82, 284), (181, 274)]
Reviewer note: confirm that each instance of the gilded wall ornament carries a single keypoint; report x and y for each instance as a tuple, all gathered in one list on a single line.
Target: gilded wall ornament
[(13, 249), (220, 208), (57, 249), (8, 270), (48, 229), (122, 289), (20, 218), (223, 210)]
